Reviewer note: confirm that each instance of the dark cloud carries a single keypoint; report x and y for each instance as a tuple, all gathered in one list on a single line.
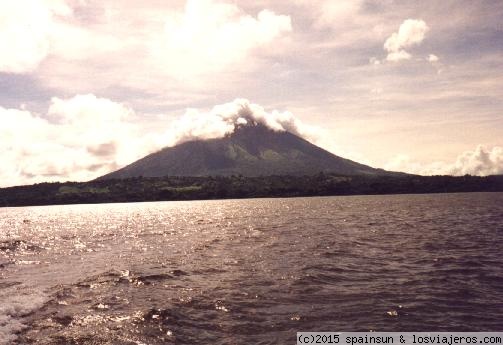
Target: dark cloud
[(103, 150), (110, 166)]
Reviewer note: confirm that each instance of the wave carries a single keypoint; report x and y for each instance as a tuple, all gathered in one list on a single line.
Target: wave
[(12, 312)]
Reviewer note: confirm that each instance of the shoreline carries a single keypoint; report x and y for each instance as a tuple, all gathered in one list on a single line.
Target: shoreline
[(152, 189)]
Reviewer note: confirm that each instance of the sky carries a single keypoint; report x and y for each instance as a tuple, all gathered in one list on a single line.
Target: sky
[(88, 86)]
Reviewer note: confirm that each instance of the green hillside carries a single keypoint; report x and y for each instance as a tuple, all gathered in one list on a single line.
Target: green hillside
[(252, 150)]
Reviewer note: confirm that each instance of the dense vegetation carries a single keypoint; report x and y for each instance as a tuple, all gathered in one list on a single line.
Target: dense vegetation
[(221, 187)]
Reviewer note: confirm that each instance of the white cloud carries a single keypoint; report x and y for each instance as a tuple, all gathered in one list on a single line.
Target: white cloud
[(158, 47), (87, 111), (411, 32), (209, 36), (142, 47), (33, 30), (24, 34), (79, 138), (481, 161), (432, 58)]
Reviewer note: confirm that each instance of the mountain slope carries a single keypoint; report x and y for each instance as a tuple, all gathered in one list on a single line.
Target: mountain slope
[(252, 150)]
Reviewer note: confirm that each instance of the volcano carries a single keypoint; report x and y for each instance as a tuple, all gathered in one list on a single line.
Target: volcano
[(251, 150)]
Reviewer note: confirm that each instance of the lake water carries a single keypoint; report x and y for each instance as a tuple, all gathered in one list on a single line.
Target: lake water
[(250, 271)]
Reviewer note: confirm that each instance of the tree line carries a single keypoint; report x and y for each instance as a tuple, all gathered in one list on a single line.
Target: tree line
[(225, 187)]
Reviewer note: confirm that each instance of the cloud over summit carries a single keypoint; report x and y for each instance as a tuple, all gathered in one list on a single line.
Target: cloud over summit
[(223, 119)]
